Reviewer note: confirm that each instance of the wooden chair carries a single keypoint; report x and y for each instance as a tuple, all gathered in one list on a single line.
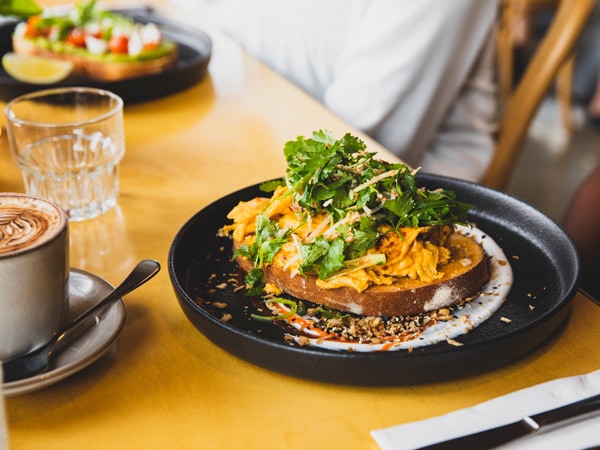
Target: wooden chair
[(553, 55)]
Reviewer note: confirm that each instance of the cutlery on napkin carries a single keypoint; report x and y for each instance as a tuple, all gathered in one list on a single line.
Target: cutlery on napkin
[(502, 410)]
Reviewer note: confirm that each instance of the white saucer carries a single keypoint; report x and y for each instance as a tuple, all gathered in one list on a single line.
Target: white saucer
[(85, 290)]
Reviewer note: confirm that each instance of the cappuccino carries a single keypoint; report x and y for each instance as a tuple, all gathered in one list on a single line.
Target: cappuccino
[(27, 222), (34, 272)]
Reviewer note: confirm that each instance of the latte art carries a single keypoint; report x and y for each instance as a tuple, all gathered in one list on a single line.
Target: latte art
[(18, 229), (26, 222)]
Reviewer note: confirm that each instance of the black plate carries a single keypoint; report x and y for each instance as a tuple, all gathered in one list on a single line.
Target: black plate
[(194, 46), (546, 273)]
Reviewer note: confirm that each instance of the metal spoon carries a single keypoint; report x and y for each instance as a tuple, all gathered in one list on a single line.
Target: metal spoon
[(38, 360)]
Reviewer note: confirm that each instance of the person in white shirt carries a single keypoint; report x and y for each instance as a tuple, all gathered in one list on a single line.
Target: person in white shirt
[(416, 75)]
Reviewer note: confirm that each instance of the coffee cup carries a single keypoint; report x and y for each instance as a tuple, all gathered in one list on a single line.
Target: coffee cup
[(34, 272)]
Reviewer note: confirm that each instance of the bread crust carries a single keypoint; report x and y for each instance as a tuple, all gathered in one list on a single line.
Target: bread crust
[(464, 275), (98, 70)]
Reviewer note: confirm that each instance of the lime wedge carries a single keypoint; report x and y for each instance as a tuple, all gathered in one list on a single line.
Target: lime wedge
[(36, 69)]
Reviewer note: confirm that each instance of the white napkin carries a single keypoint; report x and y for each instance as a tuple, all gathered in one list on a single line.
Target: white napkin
[(502, 410)]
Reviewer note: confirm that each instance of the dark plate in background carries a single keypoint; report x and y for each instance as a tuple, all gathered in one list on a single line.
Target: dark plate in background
[(546, 272), (194, 47)]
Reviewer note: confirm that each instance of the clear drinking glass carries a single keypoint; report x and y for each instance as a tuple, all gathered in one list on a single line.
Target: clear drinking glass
[(68, 143)]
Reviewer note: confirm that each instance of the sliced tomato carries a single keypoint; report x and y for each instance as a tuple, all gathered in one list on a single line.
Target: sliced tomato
[(76, 37), (118, 44)]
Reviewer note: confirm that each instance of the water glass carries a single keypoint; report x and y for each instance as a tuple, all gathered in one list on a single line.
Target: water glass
[(68, 143)]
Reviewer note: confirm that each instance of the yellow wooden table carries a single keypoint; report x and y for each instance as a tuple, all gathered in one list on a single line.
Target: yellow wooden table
[(165, 386)]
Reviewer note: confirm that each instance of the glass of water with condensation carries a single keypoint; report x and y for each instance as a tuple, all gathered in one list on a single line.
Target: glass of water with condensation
[(68, 143)]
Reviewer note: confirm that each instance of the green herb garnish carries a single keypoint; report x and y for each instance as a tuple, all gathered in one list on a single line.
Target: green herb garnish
[(338, 176), (284, 301), (269, 239), (321, 312)]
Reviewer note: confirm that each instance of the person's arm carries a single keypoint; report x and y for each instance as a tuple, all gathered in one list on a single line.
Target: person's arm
[(418, 77)]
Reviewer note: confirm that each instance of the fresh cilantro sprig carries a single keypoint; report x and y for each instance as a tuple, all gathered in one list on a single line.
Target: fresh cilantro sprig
[(338, 176), (269, 239)]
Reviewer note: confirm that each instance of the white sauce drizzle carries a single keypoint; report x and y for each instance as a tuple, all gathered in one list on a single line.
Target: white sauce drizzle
[(475, 312)]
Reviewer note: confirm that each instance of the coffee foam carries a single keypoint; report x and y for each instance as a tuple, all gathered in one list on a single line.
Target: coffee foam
[(27, 222)]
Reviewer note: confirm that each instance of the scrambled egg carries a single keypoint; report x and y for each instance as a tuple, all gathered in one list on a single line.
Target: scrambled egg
[(415, 253)]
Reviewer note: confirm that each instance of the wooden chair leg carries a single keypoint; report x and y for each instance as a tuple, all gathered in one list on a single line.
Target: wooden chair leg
[(564, 80)]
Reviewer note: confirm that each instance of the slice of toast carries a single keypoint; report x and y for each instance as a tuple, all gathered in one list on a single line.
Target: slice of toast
[(464, 275), (98, 69)]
